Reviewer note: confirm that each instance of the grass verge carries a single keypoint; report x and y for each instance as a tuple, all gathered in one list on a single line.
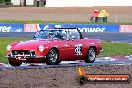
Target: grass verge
[(110, 49), (58, 22), (113, 49), (4, 42)]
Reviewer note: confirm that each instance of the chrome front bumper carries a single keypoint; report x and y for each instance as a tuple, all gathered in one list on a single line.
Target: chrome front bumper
[(25, 57)]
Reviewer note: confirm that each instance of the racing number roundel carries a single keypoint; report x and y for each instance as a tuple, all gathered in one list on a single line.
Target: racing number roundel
[(78, 49)]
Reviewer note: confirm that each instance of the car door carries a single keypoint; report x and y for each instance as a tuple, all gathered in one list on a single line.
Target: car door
[(76, 45), (72, 49), (76, 49), (65, 50)]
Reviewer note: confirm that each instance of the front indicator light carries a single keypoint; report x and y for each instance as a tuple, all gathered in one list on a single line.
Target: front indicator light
[(41, 48)]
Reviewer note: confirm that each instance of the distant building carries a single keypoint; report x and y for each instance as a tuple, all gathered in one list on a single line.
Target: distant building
[(22, 2), (75, 3), (37, 3)]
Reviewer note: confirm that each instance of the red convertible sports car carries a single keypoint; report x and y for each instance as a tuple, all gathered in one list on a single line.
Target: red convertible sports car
[(51, 46)]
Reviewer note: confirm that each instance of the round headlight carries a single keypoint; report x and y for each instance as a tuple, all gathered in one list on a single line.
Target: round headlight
[(8, 48), (41, 48)]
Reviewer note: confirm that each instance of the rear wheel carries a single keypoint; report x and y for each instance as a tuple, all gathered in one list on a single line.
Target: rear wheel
[(53, 57), (15, 63), (91, 55)]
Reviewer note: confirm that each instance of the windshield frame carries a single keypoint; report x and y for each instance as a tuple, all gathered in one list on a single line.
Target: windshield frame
[(64, 33), (49, 34)]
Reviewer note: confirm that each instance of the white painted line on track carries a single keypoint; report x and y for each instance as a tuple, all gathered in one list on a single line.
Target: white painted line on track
[(105, 59)]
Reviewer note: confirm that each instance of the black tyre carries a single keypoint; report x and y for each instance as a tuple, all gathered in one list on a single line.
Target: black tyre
[(81, 80), (91, 55), (53, 57), (15, 63)]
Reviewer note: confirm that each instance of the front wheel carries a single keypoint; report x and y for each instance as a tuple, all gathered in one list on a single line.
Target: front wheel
[(91, 55), (15, 63), (53, 57)]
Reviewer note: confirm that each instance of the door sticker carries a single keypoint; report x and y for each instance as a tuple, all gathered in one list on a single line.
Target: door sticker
[(78, 49)]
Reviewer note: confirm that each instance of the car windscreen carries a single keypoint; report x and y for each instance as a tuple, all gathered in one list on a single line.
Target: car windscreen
[(46, 34)]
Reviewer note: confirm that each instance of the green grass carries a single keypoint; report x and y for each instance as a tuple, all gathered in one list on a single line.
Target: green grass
[(4, 42), (59, 22), (110, 49), (113, 49)]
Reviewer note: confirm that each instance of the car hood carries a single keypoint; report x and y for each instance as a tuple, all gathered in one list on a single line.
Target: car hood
[(32, 44)]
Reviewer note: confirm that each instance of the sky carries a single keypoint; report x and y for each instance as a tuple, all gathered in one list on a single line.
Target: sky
[(88, 3)]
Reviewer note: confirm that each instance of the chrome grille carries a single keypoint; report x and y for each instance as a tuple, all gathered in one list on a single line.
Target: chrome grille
[(23, 52)]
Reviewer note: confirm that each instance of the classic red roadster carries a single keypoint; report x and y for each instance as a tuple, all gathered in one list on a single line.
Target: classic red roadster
[(51, 46)]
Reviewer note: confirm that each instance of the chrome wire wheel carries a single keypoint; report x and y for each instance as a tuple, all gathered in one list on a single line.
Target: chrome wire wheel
[(91, 55), (52, 57)]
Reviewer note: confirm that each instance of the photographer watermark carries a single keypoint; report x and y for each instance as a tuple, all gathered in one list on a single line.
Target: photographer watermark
[(101, 78)]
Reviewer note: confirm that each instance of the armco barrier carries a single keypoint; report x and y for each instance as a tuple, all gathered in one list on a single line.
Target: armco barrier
[(101, 31), (85, 27), (36, 27), (118, 37), (11, 27), (126, 28)]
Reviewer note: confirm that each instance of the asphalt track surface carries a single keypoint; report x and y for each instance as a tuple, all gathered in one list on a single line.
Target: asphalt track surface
[(121, 60), (116, 37)]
